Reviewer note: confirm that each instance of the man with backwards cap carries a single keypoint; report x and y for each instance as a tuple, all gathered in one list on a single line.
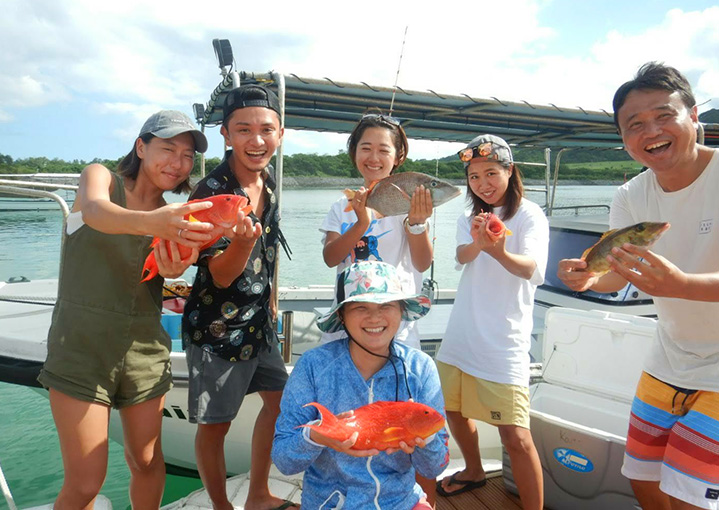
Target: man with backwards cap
[(232, 348)]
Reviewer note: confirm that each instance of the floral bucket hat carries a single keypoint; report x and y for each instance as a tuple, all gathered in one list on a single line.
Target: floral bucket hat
[(372, 282)]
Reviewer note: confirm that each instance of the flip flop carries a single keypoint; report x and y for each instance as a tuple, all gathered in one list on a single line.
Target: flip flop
[(287, 504), (466, 486)]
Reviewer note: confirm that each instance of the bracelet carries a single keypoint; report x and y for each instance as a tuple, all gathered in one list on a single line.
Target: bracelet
[(415, 229)]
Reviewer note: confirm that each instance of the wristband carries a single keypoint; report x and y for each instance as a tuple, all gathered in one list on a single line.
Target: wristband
[(415, 229)]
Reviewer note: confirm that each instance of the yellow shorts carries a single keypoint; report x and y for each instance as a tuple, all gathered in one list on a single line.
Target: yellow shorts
[(487, 401)]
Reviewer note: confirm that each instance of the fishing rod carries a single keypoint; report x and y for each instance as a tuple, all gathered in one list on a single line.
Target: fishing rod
[(399, 65)]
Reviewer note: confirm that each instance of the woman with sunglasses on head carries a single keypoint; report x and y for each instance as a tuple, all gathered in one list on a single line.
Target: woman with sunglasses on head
[(106, 345), (483, 360), (377, 147)]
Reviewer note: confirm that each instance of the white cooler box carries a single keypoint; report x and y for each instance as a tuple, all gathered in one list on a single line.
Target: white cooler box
[(580, 413)]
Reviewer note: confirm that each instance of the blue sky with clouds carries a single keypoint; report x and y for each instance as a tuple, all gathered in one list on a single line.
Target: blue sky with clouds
[(80, 76)]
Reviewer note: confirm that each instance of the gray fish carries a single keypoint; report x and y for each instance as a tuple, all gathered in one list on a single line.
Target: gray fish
[(644, 234), (391, 196)]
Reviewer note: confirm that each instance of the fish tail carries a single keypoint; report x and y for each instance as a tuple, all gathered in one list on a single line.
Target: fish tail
[(150, 266), (328, 420)]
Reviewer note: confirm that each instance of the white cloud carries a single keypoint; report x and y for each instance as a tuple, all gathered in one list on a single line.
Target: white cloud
[(128, 59)]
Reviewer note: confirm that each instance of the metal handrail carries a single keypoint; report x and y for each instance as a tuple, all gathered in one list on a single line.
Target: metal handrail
[(8, 186), (577, 207)]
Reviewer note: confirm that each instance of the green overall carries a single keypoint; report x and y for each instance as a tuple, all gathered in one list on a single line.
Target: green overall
[(106, 343)]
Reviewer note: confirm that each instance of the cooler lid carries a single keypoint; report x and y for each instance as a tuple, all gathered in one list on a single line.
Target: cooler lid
[(602, 352)]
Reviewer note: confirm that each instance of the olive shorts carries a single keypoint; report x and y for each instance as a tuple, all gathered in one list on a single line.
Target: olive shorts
[(110, 358)]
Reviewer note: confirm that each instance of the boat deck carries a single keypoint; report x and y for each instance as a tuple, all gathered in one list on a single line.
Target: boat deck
[(492, 496)]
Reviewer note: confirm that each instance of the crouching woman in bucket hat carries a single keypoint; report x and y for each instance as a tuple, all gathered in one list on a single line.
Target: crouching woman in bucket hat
[(366, 366)]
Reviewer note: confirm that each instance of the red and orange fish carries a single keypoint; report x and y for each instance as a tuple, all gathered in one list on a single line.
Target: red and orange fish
[(495, 226), (380, 425), (222, 213)]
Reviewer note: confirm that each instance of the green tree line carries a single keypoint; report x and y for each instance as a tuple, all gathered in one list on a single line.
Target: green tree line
[(580, 164)]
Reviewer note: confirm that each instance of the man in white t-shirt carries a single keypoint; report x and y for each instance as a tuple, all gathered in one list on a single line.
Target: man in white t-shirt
[(672, 452)]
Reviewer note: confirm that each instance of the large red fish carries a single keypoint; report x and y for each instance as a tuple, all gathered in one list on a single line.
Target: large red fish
[(222, 213), (380, 425)]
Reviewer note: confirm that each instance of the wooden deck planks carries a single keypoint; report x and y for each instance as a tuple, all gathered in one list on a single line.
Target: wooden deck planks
[(492, 496)]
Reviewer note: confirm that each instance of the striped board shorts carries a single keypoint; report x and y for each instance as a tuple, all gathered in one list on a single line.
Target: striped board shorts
[(673, 439)]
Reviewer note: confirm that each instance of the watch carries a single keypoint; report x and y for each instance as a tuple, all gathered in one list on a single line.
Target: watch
[(415, 229)]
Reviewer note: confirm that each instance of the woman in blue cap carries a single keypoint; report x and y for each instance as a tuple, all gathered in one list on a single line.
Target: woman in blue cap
[(366, 366), (106, 346)]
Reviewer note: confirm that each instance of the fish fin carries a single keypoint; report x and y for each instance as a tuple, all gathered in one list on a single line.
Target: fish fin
[(604, 236), (508, 232), (350, 195), (372, 185), (393, 434), (403, 192), (191, 218), (246, 210)]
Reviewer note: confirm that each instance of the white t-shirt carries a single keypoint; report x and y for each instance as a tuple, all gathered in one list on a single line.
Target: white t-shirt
[(686, 350), (385, 240), (489, 330)]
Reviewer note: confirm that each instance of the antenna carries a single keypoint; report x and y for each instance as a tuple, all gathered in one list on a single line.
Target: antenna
[(399, 65)]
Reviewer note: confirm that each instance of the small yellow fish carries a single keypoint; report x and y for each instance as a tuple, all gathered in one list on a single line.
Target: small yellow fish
[(643, 234)]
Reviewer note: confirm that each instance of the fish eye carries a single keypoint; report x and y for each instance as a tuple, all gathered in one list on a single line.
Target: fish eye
[(433, 184), (640, 227)]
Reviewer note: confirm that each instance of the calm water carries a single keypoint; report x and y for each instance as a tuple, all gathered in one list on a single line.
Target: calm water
[(29, 246)]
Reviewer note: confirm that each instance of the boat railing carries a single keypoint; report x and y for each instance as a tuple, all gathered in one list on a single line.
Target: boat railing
[(34, 189), (577, 208)]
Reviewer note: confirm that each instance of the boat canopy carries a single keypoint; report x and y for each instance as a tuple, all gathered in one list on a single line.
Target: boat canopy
[(327, 105)]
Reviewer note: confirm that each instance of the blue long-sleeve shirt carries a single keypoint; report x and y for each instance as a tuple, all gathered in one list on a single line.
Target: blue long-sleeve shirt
[(332, 479)]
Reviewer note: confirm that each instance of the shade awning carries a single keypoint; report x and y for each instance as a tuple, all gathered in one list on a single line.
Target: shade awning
[(325, 105)]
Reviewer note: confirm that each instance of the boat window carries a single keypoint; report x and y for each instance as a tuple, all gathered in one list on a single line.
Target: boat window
[(565, 243)]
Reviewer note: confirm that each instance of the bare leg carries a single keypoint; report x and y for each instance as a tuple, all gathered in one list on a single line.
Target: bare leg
[(429, 486), (465, 434), (141, 426), (526, 467), (210, 455), (259, 496), (649, 495), (82, 430)]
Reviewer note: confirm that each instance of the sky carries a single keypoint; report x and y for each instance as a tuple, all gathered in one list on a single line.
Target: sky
[(79, 77)]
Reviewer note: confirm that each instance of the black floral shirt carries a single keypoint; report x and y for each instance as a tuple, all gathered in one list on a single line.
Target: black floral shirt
[(234, 322)]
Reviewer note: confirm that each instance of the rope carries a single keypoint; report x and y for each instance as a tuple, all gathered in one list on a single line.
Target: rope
[(399, 65), (30, 300)]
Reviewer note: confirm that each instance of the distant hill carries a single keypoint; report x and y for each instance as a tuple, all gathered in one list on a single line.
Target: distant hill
[(579, 164)]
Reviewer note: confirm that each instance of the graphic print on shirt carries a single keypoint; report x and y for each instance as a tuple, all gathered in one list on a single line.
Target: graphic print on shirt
[(368, 245)]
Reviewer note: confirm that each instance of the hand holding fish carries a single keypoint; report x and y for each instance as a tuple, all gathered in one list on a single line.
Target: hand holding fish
[(358, 202), (489, 233), (171, 222), (420, 207), (170, 263), (417, 442), (244, 230), (654, 275), (345, 446), (574, 275)]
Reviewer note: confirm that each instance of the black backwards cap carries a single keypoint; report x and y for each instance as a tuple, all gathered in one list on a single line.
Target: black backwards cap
[(250, 95)]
